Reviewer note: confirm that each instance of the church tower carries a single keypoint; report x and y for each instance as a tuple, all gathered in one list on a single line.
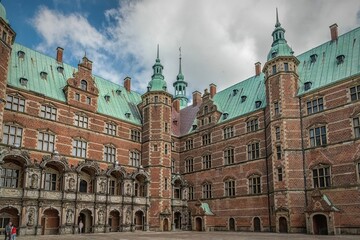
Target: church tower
[(283, 127), (156, 148), (7, 35), (180, 87)]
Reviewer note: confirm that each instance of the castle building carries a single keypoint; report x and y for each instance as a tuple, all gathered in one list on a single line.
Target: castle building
[(278, 151)]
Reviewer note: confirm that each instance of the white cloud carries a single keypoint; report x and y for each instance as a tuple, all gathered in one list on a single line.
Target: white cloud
[(220, 40)]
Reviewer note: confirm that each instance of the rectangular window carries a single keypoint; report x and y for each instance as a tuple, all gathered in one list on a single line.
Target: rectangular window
[(77, 97), (88, 100), (228, 132), (315, 106), (112, 187), (280, 174), (321, 177), (355, 93), (253, 151), (318, 136), (50, 182), (166, 128), (79, 148), (191, 193), (135, 158), (206, 161), (286, 67), (12, 135), (207, 191), (189, 144), (110, 128), (109, 154), (156, 99), (166, 149), (48, 112), (15, 103), (277, 133), (81, 120), (172, 166), (276, 108), (206, 139), (189, 165), (172, 145), (254, 185), (252, 125), (229, 156), (229, 188), (9, 178), (135, 135), (356, 123), (274, 69), (46, 141), (278, 152)]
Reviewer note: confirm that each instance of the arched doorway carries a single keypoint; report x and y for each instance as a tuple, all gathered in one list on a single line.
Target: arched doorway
[(139, 220), (231, 224), (257, 224), (198, 224), (283, 227), (86, 218), (50, 222), (166, 225), (7, 215), (114, 221), (320, 224), (177, 220)]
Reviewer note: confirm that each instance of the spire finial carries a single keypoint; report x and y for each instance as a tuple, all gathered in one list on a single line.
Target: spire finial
[(180, 60), (157, 55), (277, 19)]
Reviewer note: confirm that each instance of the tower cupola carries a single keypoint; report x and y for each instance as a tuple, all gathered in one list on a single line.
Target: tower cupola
[(3, 13), (279, 47), (157, 82), (180, 86)]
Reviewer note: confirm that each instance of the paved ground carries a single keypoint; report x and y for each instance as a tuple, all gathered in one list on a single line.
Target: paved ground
[(186, 235)]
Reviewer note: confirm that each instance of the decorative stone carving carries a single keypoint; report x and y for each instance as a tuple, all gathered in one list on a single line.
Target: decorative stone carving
[(128, 217), (34, 181), (101, 217), (71, 184), (31, 217), (128, 189), (69, 216), (102, 187), (185, 194)]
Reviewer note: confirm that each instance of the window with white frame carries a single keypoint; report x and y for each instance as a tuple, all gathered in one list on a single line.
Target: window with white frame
[(191, 193), (135, 135), (189, 144), (79, 148), (189, 165), (206, 161), (318, 136), (48, 112), (276, 108), (12, 135), (229, 186), (228, 132), (15, 103), (9, 178), (252, 125), (314, 106), (110, 128), (254, 184), (229, 156), (321, 176), (356, 125), (50, 182), (206, 190), (46, 141), (206, 139), (135, 158), (109, 153), (355, 93), (81, 120), (253, 151)]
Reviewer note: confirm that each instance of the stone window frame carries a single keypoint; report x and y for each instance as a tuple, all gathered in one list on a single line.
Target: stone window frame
[(48, 111), (79, 150), (279, 152), (228, 132), (252, 124), (134, 158), (81, 120), (191, 192), (322, 179), (354, 92), (280, 174), (110, 128), (277, 133), (313, 137), (83, 85), (189, 144), (109, 153), (189, 165), (229, 155), (135, 135), (254, 183), (315, 105), (355, 123), (54, 184), (206, 160), (253, 150), (47, 137), (206, 139), (206, 188), (16, 135), (15, 102), (229, 187), (277, 107)]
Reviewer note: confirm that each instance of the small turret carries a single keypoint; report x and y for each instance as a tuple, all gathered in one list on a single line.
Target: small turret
[(180, 87), (157, 82)]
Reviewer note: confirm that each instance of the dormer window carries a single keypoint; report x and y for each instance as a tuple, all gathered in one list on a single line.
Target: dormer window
[(313, 58), (243, 98), (206, 109), (127, 115), (43, 75), (118, 92), (307, 86), (273, 54), (21, 54), (107, 98), (340, 59), (23, 81), (83, 85), (60, 69), (194, 126), (235, 91), (225, 115), (257, 104)]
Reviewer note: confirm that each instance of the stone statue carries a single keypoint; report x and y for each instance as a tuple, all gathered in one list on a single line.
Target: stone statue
[(101, 217), (31, 217), (34, 181), (128, 189), (128, 217), (185, 194), (72, 184), (102, 187), (69, 216)]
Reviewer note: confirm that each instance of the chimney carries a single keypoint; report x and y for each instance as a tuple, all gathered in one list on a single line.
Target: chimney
[(212, 90), (196, 96), (127, 84), (176, 105), (257, 68), (59, 54), (334, 32)]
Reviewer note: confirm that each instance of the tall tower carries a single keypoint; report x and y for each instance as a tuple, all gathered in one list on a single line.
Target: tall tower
[(7, 35), (156, 149), (180, 87), (283, 127)]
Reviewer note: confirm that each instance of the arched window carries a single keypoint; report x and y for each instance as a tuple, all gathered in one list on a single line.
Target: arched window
[(83, 85)]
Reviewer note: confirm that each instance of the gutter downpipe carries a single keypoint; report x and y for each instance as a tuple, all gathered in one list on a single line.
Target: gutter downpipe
[(267, 174), (303, 152)]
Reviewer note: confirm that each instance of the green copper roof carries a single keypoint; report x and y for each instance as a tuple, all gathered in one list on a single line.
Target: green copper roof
[(33, 63), (180, 87), (157, 82), (3, 12), (330, 62)]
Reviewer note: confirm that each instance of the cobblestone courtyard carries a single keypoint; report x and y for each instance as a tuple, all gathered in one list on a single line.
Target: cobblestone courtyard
[(187, 235)]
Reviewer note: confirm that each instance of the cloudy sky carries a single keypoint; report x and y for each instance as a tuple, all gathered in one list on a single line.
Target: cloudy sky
[(220, 40)]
